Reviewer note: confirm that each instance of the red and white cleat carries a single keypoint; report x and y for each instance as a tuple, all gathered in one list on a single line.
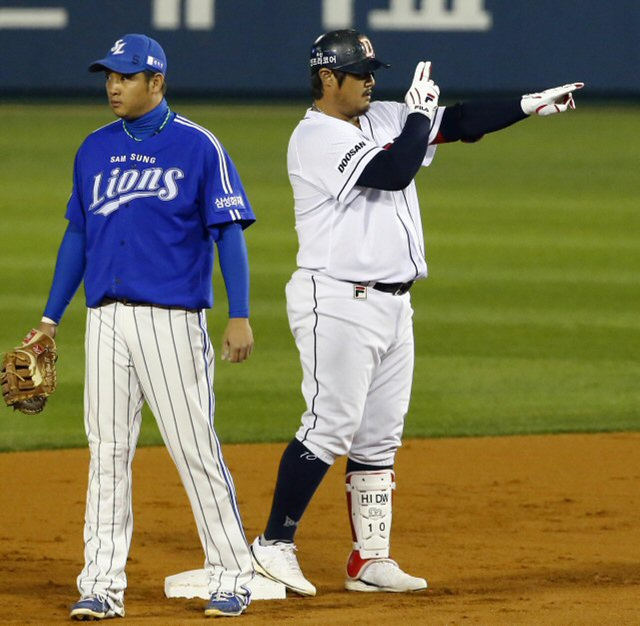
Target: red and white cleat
[(371, 575)]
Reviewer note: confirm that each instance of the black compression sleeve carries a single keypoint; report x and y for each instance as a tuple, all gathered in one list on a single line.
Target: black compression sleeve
[(470, 120), (396, 167)]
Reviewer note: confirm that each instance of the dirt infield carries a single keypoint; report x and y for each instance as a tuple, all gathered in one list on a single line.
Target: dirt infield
[(513, 530)]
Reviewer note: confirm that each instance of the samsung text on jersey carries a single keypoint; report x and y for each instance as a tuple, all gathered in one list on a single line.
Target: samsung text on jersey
[(139, 158)]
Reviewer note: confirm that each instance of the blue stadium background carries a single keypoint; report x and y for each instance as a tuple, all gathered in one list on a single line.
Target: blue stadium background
[(258, 48)]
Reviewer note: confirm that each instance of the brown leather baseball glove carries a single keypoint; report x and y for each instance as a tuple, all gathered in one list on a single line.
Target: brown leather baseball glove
[(28, 373)]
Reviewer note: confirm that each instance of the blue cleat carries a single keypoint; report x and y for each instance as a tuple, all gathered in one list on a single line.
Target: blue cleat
[(92, 608), (225, 604)]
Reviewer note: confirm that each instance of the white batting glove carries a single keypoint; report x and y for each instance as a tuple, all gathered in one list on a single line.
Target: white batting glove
[(423, 94), (550, 101)]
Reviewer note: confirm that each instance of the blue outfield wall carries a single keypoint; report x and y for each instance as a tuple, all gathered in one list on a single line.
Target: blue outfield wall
[(259, 48)]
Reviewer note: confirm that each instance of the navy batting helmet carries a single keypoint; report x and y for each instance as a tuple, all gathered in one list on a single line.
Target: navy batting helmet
[(346, 50)]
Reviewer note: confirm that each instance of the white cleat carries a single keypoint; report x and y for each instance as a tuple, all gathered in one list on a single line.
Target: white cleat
[(279, 562), (383, 575)]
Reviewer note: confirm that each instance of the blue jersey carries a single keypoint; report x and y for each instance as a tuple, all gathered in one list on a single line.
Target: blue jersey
[(148, 210)]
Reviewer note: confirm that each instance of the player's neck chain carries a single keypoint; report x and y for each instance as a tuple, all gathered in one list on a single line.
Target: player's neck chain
[(164, 123)]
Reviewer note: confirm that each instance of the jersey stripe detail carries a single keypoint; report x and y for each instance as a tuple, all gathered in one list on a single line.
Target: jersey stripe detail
[(356, 169), (202, 322), (214, 442), (406, 230), (435, 125), (315, 361), (114, 437), (217, 455), (222, 162), (235, 214), (366, 117)]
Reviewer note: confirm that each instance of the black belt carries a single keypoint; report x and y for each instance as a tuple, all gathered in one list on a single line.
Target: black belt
[(396, 289), (127, 302)]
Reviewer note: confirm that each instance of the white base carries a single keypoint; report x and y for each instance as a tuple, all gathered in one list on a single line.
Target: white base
[(194, 584)]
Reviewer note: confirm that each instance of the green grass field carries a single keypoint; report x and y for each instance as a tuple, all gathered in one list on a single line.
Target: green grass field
[(528, 322)]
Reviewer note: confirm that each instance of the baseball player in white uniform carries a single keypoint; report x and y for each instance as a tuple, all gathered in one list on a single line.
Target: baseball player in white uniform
[(153, 193), (352, 164)]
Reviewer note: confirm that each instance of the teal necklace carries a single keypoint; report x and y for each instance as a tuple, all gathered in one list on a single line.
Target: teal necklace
[(159, 129)]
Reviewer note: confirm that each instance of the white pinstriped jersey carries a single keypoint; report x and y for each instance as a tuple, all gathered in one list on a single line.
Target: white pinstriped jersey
[(346, 231)]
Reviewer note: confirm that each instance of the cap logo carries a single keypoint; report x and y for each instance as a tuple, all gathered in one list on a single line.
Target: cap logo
[(368, 48), (118, 47)]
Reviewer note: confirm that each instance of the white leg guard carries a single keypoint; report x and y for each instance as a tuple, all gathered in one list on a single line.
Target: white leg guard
[(369, 499), (369, 567)]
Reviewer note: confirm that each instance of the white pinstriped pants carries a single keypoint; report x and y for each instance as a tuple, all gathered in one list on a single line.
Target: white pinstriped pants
[(357, 358), (137, 353)]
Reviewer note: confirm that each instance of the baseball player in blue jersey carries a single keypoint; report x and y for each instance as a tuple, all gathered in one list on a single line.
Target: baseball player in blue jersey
[(152, 194), (352, 164)]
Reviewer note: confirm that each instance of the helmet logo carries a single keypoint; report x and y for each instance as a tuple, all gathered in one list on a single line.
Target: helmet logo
[(368, 48)]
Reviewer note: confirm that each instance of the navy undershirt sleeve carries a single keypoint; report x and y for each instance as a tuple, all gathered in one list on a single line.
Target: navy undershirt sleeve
[(68, 273), (469, 121), (234, 264), (394, 168)]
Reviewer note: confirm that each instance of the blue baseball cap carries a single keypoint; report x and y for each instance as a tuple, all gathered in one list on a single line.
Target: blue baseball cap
[(132, 54)]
